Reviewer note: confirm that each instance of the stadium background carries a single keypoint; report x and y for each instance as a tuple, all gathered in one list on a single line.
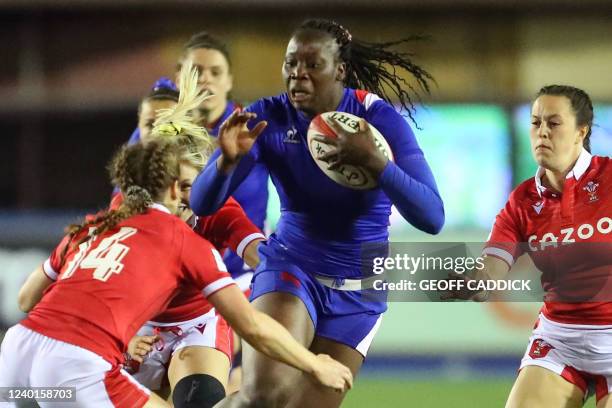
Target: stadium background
[(73, 71)]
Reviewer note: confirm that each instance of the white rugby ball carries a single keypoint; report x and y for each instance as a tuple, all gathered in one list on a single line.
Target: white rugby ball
[(355, 177)]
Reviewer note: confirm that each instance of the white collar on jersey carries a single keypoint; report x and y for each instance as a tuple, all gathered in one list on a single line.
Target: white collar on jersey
[(581, 166), (160, 207)]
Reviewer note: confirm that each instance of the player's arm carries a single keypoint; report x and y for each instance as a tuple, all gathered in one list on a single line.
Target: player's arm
[(230, 227), (493, 269), (250, 255), (408, 182), (204, 267), (32, 290), (498, 256), (272, 339), (235, 159), (41, 278)]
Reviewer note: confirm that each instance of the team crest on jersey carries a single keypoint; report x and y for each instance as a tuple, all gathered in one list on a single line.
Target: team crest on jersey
[(591, 189), (538, 206), (539, 349), (292, 136)]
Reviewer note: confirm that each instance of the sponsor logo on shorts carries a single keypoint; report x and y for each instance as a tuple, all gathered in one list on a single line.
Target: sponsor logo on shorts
[(539, 349)]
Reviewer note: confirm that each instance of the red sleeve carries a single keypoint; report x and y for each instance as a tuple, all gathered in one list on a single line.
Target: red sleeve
[(52, 265), (229, 227), (202, 264), (505, 239)]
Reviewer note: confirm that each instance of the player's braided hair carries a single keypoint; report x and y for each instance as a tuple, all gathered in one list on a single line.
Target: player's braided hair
[(143, 173), (177, 124), (581, 106), (374, 66)]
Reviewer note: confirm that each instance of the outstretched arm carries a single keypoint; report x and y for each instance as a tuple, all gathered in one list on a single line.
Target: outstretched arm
[(272, 339), (235, 160)]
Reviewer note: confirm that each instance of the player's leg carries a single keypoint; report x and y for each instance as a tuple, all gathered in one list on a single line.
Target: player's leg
[(156, 401), (235, 377), (538, 387), (15, 362), (268, 383), (198, 376), (152, 372), (311, 394), (200, 361), (94, 381), (16, 354)]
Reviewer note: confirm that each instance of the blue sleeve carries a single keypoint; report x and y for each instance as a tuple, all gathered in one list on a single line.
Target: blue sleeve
[(134, 138), (211, 188), (409, 182)]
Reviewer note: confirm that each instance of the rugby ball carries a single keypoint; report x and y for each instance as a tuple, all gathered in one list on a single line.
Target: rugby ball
[(355, 177)]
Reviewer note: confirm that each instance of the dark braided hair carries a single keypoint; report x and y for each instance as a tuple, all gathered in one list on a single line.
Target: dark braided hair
[(373, 66), (143, 173), (581, 106)]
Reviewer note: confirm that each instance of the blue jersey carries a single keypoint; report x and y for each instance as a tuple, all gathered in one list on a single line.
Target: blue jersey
[(323, 224), (253, 193)]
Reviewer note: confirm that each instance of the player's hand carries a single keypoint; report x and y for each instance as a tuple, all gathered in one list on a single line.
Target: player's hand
[(357, 149), (140, 346), (331, 373), (235, 139), (463, 293)]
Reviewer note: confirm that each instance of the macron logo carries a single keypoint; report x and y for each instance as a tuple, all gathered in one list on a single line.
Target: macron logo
[(538, 207)]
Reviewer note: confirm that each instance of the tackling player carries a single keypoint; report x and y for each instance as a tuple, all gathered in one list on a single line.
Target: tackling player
[(212, 59), (309, 278), (194, 347), (562, 219), (115, 271)]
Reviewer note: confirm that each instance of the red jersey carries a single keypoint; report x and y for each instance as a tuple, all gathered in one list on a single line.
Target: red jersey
[(568, 237), (110, 285), (229, 227)]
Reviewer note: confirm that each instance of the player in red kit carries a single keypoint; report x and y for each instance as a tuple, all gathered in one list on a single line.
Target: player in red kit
[(118, 270), (562, 220), (189, 344)]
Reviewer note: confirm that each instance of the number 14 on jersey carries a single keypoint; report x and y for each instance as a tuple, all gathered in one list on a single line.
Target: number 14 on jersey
[(105, 257)]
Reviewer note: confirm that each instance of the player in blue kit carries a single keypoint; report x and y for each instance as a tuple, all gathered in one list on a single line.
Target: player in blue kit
[(310, 276), (211, 57)]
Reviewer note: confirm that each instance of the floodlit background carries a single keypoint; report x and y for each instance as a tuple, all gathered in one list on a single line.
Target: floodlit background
[(73, 71)]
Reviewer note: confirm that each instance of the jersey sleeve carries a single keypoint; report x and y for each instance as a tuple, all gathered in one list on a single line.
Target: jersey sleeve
[(505, 239), (229, 227), (408, 182), (52, 266), (202, 264)]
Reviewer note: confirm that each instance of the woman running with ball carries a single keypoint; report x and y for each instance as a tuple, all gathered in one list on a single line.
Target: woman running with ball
[(309, 278)]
